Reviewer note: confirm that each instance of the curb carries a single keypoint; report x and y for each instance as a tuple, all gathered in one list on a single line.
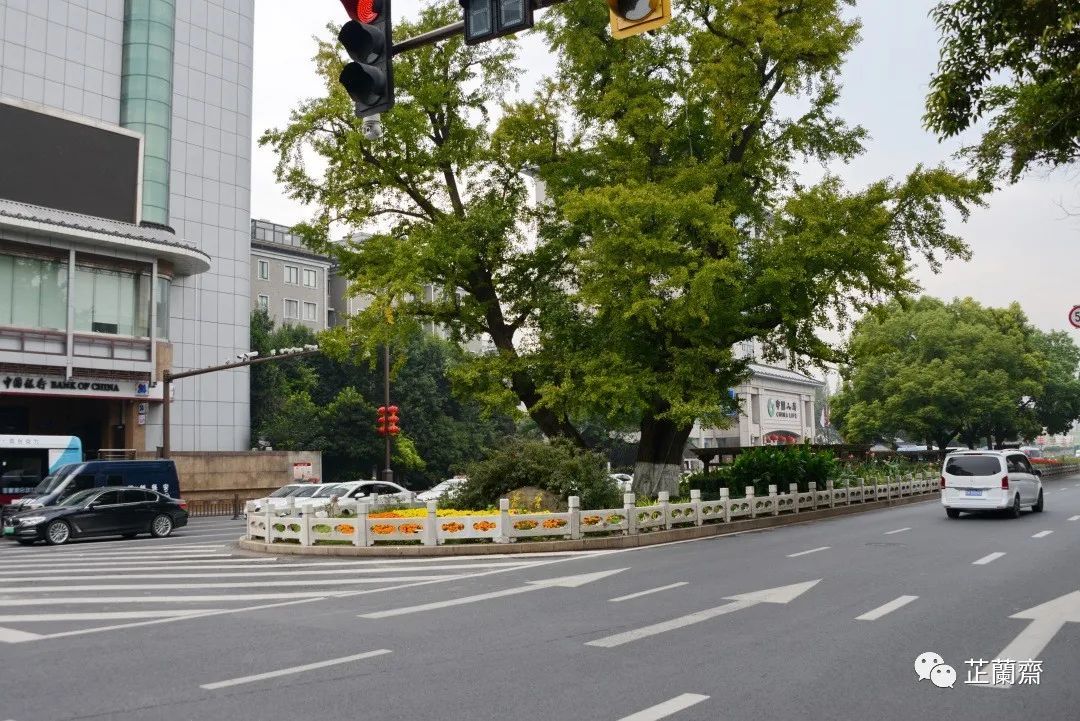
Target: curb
[(651, 538)]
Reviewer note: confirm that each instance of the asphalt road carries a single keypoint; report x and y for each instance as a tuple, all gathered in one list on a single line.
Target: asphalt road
[(679, 631)]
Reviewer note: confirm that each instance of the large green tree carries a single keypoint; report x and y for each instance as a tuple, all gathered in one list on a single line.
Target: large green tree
[(675, 223), (1016, 67), (934, 371)]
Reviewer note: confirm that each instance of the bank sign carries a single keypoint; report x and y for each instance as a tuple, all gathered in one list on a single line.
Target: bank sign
[(783, 409), (11, 384)]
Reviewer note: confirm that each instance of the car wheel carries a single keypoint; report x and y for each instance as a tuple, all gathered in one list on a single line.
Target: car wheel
[(26, 541), (952, 513), (161, 526), (1014, 512), (57, 533), (1038, 504)]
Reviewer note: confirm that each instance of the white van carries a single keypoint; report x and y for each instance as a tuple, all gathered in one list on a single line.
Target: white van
[(990, 481)]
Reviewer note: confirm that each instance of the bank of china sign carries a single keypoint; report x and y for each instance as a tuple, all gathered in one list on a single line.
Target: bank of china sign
[(783, 409), (46, 386)]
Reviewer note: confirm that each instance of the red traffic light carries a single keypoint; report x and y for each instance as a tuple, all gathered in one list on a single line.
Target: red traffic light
[(364, 11)]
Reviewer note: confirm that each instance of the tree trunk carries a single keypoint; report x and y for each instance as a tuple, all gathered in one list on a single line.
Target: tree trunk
[(659, 457)]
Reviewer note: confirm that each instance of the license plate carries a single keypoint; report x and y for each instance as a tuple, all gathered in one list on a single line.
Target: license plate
[(972, 493), (9, 530)]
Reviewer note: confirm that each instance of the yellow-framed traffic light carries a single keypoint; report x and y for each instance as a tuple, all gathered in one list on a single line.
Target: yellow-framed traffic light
[(633, 17)]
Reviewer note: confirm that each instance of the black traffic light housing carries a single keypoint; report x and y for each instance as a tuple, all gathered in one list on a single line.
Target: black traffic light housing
[(369, 40), (489, 19)]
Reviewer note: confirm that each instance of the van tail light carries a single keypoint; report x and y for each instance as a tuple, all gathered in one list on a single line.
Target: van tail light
[(943, 481), (1005, 482), (183, 504)]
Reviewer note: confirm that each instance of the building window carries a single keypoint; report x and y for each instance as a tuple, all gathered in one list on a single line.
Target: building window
[(292, 275), (264, 270), (33, 293), (164, 285), (292, 309), (311, 312), (264, 303), (109, 301), (755, 409), (311, 278)]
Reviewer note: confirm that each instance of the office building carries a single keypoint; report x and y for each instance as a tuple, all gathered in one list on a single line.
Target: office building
[(288, 280)]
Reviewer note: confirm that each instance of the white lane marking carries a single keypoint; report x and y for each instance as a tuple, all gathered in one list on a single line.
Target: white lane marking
[(782, 594), (1046, 620), (294, 669), (812, 550), (639, 594), (295, 571), (108, 600), (667, 708), (886, 608), (1042, 534), (898, 530), (555, 557), (198, 586), (1074, 518), (10, 635), (102, 616), (119, 558), (243, 564), (563, 582), (988, 559), (112, 549)]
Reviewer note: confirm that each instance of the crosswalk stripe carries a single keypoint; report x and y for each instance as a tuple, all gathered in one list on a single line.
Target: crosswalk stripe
[(294, 571), (100, 616), (108, 601), (197, 586)]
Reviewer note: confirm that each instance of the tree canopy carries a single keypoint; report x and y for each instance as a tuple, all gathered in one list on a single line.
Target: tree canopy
[(934, 371), (1016, 66), (674, 224)]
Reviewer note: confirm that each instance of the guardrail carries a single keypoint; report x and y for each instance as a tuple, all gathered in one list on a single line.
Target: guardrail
[(352, 523), (215, 507)]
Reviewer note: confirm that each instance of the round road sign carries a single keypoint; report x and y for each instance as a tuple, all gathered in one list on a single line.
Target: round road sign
[(1074, 316)]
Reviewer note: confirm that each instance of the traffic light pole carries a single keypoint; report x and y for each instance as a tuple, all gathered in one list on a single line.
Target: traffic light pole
[(388, 472)]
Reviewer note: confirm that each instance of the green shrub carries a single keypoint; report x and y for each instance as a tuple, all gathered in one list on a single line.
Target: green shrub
[(708, 483), (558, 467), (769, 465)]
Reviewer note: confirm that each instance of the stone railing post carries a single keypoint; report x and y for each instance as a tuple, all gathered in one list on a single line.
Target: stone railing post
[(663, 498), (574, 503), (748, 496), (725, 499), (505, 530), (793, 489), (831, 488), (431, 527), (362, 537), (695, 498), (775, 499), (812, 487), (305, 526), (630, 509)]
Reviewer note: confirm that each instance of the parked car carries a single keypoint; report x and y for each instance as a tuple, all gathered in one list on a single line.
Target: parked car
[(156, 476), (109, 511), (283, 492), (990, 480), (438, 491)]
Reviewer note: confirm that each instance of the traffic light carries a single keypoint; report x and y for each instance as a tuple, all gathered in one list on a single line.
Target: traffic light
[(489, 19), (381, 423), (392, 421), (633, 17), (369, 40)]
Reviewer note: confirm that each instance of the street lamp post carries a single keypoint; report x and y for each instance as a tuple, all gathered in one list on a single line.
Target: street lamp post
[(244, 359), (388, 472)]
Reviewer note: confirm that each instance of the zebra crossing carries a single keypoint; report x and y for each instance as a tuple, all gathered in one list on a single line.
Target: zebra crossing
[(108, 585)]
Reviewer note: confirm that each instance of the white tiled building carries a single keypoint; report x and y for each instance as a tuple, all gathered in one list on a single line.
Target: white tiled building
[(175, 78)]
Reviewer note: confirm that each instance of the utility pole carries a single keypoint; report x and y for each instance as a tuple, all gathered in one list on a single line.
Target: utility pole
[(244, 359), (388, 472)]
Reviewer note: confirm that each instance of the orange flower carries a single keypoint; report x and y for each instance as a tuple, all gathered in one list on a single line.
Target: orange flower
[(345, 528), (483, 526), (453, 527), (590, 520), (525, 525), (383, 529), (410, 527), (386, 514), (554, 523)]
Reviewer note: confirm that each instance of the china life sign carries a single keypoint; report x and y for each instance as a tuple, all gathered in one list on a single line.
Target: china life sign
[(783, 409)]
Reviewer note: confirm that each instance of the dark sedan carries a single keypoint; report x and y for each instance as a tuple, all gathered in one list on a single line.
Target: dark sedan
[(108, 511)]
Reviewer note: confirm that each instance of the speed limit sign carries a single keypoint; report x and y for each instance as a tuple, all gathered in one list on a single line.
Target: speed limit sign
[(1074, 316)]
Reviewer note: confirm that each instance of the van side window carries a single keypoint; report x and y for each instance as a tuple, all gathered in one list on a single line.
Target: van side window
[(114, 479), (1016, 465)]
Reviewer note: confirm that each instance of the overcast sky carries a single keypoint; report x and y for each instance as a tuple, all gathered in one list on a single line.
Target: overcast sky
[(1025, 244)]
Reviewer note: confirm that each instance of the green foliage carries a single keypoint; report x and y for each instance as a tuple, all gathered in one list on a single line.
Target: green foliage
[(557, 467), (708, 483), (781, 466), (1012, 65), (931, 371), (328, 402)]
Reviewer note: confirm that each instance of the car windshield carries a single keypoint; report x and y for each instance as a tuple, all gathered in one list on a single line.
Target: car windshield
[(327, 491), (972, 465), (284, 491), (306, 492), (77, 499), (51, 482)]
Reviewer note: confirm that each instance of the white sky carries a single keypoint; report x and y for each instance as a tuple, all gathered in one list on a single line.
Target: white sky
[(1025, 244)]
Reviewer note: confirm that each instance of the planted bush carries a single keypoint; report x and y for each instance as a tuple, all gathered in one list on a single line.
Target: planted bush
[(558, 467)]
